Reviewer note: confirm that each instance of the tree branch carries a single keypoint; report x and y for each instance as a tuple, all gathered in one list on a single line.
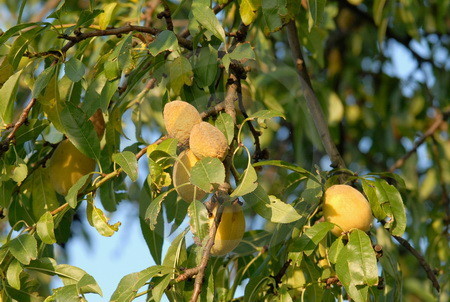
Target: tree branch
[(4, 145), (206, 255), (167, 15), (421, 260), (438, 121), (311, 98), (118, 31)]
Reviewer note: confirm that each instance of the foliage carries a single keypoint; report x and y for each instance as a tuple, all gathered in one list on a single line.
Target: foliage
[(60, 61)]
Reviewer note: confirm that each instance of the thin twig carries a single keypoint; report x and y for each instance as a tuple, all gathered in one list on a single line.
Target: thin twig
[(118, 31), (438, 121), (212, 111), (206, 255), (4, 145), (282, 272), (311, 98), (167, 15), (421, 260)]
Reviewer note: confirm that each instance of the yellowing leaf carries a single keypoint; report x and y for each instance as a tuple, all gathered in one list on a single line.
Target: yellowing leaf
[(248, 9)]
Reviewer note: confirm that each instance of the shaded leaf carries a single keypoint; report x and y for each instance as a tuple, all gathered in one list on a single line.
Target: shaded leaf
[(74, 69), (310, 239), (165, 40), (23, 248), (180, 71), (80, 131)]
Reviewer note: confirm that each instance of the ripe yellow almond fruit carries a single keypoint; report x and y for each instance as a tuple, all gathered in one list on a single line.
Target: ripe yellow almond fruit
[(99, 123), (67, 165), (181, 173), (208, 141), (347, 208), (179, 118), (230, 231)]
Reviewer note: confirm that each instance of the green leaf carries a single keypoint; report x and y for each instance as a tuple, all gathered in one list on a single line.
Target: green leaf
[(247, 182), (70, 275), (266, 114), (73, 275), (335, 249), (20, 45), (308, 242), (154, 238), (166, 40), (43, 80), (31, 130), (254, 286), (15, 29), (199, 220), (130, 284), (356, 265), (206, 66), (23, 248), (80, 131), (315, 12), (42, 193), (389, 194), (207, 172), (369, 188), (22, 295), (243, 51), (286, 165), (74, 69), (13, 274), (248, 9), (176, 253), (206, 17), (45, 228), (67, 293), (72, 194), (271, 208), (180, 71), (168, 146), (106, 16), (8, 97), (224, 123), (271, 17), (98, 220), (152, 212), (127, 160)]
